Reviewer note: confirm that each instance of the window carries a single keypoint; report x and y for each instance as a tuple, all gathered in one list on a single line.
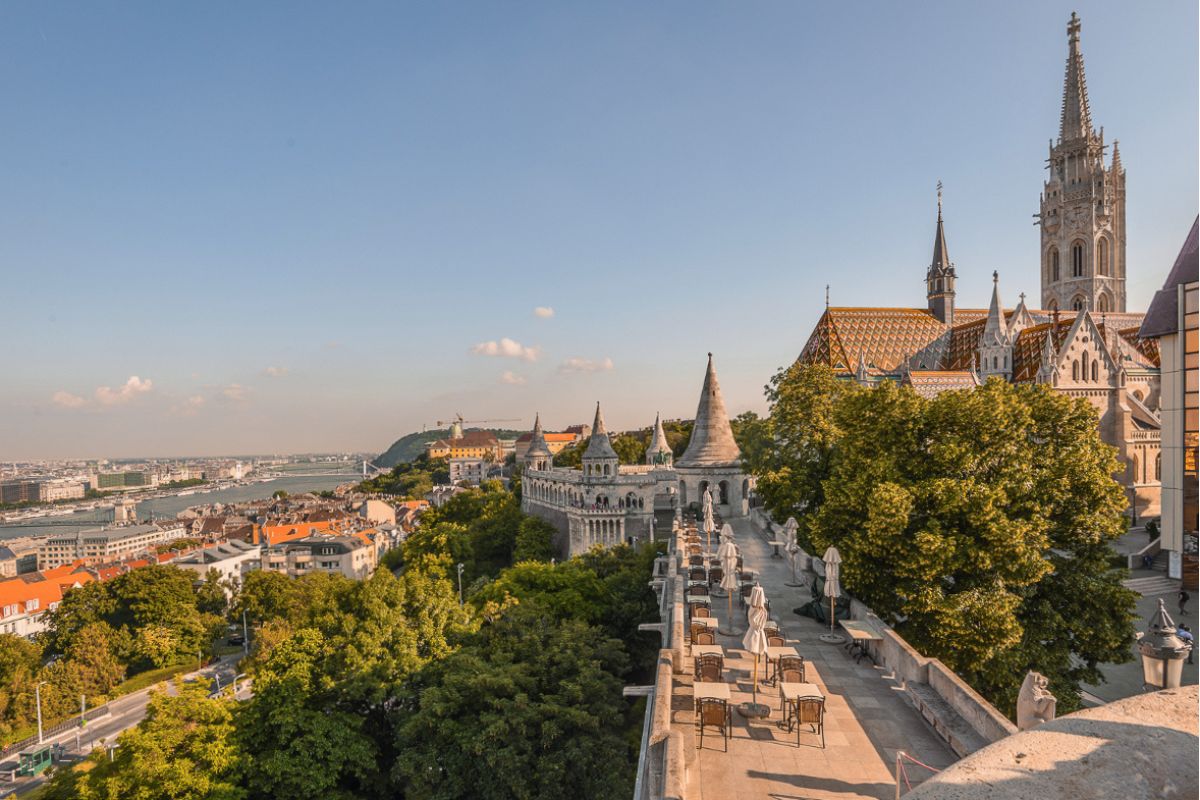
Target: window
[(1135, 470), (1158, 467), (1075, 370), (1095, 372), (1054, 273), (1084, 371), (1077, 260), (1102, 257), (1077, 304), (1102, 303)]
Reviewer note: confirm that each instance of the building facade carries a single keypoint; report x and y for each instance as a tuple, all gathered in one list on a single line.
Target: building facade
[(342, 555), (1083, 342), (232, 560), (1172, 321), (110, 544), (607, 503)]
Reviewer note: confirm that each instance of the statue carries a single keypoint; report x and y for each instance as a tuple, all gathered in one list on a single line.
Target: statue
[(1035, 704)]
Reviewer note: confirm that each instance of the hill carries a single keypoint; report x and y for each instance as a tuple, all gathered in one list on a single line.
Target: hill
[(406, 448)]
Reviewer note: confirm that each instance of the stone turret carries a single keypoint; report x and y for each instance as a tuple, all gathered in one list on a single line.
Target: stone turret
[(995, 346), (599, 459), (712, 459), (659, 451), (538, 457), (939, 279)]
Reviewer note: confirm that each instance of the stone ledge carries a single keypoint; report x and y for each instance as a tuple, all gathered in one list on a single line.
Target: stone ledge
[(945, 721)]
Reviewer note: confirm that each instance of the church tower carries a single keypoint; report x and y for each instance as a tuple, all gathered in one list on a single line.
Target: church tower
[(939, 280), (1083, 206), (996, 344)]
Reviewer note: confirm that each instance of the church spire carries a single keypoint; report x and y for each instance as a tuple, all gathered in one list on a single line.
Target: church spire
[(599, 446), (939, 279), (1076, 115), (995, 346), (659, 451)]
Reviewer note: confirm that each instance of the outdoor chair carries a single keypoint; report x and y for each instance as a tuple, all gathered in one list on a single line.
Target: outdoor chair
[(740, 563), (775, 639), (698, 610), (695, 629), (697, 590), (696, 561), (789, 669), (697, 574), (747, 588), (695, 550), (709, 667), (811, 711), (703, 636), (712, 712), (715, 574)]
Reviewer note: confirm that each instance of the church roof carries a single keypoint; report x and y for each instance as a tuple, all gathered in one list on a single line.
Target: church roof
[(884, 337), (712, 443), (599, 446), (931, 383)]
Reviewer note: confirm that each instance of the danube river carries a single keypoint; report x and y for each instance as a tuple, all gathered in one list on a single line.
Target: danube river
[(170, 506)]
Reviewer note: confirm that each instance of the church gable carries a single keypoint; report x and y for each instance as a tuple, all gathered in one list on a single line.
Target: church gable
[(1084, 360)]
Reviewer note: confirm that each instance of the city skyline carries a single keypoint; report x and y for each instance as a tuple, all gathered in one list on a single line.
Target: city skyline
[(217, 243)]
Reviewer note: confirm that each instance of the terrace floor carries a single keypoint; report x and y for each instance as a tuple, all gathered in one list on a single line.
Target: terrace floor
[(867, 719)]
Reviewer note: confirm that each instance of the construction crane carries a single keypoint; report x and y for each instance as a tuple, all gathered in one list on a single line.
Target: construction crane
[(458, 418)]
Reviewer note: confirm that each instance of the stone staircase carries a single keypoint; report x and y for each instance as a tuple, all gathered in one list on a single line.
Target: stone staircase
[(1152, 585)]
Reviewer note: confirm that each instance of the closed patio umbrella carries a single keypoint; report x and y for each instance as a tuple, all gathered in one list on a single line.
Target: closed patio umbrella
[(709, 524), (833, 588), (755, 641)]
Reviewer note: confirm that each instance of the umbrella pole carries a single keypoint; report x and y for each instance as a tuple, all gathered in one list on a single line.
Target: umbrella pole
[(831, 613)]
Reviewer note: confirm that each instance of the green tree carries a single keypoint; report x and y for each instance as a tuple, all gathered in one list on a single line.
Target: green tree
[(535, 540), (183, 750), (532, 710), (20, 660), (210, 595)]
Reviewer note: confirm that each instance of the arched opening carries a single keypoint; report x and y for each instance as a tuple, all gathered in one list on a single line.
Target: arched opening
[(1102, 257), (1074, 370), (1135, 470), (1095, 372), (1102, 303), (1054, 267), (1158, 467), (606, 470), (1078, 304), (1077, 260), (1084, 371), (700, 491), (724, 492), (1052, 306), (683, 501)]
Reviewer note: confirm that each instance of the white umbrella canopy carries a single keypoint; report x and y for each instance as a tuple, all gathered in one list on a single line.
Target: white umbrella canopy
[(755, 641), (789, 528), (833, 588), (726, 532), (709, 524)]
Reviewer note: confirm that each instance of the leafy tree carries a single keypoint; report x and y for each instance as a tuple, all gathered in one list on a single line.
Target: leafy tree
[(531, 710), (535, 539), (183, 750), (20, 660), (979, 523), (410, 480), (210, 595)]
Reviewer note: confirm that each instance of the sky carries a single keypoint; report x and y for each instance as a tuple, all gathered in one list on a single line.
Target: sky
[(312, 227)]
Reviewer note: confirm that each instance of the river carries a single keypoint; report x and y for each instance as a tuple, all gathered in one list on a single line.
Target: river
[(170, 506)]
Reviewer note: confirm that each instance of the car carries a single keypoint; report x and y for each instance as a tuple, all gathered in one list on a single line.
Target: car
[(237, 639)]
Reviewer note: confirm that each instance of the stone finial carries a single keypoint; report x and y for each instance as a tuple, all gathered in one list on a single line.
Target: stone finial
[(1035, 703)]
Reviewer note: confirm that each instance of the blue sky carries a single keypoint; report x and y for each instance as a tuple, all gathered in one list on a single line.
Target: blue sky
[(294, 223)]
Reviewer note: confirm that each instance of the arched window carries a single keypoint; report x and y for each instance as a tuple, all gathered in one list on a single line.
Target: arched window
[(1075, 370), (1095, 372), (1136, 475), (1158, 467), (1054, 271), (1077, 304), (1102, 303), (1084, 371), (1077, 260), (1052, 306), (1102, 257), (995, 361)]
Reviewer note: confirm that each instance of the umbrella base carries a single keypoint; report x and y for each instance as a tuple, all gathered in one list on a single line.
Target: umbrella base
[(832, 638), (754, 710), (796, 585)]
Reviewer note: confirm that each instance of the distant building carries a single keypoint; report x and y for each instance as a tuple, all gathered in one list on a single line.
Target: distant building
[(20, 491), (110, 544), (377, 512), (467, 444), (121, 481), (351, 556), (53, 491), (24, 601), (232, 560), (555, 442), (1172, 320), (468, 470)]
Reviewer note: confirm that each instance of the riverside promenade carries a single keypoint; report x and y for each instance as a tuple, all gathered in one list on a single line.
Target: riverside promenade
[(867, 716)]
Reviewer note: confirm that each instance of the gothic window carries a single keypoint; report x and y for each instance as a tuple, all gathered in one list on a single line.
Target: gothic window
[(1102, 303), (1084, 371), (606, 469), (724, 493), (1052, 305), (1077, 304), (1075, 370), (1054, 274), (1158, 467), (1095, 372), (1006, 360), (1102, 257), (1077, 260)]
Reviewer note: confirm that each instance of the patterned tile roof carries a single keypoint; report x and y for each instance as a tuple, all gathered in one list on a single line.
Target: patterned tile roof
[(931, 383)]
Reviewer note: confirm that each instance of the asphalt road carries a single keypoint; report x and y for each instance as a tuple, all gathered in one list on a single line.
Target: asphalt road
[(125, 713)]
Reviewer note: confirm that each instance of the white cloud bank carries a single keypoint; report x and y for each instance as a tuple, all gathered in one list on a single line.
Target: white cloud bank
[(545, 312), (105, 396), (275, 372), (507, 348), (578, 364)]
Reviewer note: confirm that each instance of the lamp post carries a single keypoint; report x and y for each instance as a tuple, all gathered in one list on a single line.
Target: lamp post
[(461, 567), (1162, 652), (37, 691)]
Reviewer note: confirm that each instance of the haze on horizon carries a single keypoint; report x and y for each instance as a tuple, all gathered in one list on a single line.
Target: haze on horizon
[(233, 229)]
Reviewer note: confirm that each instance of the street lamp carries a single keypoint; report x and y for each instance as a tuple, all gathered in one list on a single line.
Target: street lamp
[(461, 567), (37, 691), (1162, 651)]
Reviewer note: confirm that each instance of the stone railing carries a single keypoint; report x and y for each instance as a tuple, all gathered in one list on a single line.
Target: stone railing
[(1134, 560), (661, 762), (960, 716)]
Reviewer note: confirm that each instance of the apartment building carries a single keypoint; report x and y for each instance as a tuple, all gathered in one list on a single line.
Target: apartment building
[(105, 545), (352, 556)]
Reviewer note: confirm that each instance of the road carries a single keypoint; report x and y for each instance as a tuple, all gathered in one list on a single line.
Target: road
[(125, 713)]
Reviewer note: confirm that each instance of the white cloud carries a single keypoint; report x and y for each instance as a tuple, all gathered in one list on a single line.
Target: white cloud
[(578, 364), (107, 396), (67, 400), (275, 372), (545, 312), (234, 392), (507, 348), (512, 378), (189, 407)]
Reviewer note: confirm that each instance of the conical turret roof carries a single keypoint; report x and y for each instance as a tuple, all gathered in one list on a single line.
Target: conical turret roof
[(712, 443), (599, 446), (537, 443), (995, 330), (940, 264), (658, 442)]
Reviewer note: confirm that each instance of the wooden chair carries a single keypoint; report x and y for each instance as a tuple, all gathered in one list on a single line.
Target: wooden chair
[(709, 668), (712, 712), (699, 610), (697, 590), (695, 550), (715, 574), (696, 561), (697, 574), (695, 629), (811, 711), (775, 639), (705, 636), (789, 669)]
